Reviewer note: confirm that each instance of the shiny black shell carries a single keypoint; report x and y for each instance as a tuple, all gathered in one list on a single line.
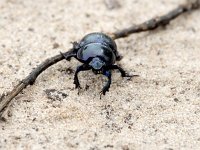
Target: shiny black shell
[(97, 44)]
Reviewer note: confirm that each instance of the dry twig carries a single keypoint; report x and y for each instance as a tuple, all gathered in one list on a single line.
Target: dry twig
[(151, 24), (29, 80), (157, 21)]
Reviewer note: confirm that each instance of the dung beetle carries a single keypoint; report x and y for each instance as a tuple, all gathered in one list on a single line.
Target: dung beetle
[(98, 52)]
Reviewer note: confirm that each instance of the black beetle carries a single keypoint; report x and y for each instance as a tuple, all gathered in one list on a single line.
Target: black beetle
[(98, 52)]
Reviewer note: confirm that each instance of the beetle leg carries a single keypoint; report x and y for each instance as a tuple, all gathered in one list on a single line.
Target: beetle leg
[(72, 52), (122, 71), (79, 68), (107, 73), (69, 56)]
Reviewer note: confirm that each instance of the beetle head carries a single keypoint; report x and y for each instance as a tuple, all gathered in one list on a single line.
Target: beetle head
[(97, 65)]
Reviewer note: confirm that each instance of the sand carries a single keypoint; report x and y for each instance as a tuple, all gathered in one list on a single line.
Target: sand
[(160, 109)]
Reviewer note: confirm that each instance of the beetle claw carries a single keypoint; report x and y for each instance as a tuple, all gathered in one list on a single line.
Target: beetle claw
[(77, 84), (129, 76), (102, 93), (78, 87), (125, 74)]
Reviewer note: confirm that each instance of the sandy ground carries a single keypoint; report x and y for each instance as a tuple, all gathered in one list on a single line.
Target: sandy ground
[(158, 110)]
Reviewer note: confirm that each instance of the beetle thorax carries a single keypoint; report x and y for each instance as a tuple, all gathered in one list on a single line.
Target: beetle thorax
[(93, 50)]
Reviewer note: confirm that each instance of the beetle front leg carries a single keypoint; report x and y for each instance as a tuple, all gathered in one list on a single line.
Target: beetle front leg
[(107, 85), (122, 71), (79, 68), (72, 52), (69, 56)]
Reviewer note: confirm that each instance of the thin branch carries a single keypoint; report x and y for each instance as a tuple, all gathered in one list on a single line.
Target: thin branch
[(29, 80), (5, 101), (157, 21)]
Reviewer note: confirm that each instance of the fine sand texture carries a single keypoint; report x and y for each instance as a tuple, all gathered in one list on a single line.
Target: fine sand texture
[(160, 109)]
